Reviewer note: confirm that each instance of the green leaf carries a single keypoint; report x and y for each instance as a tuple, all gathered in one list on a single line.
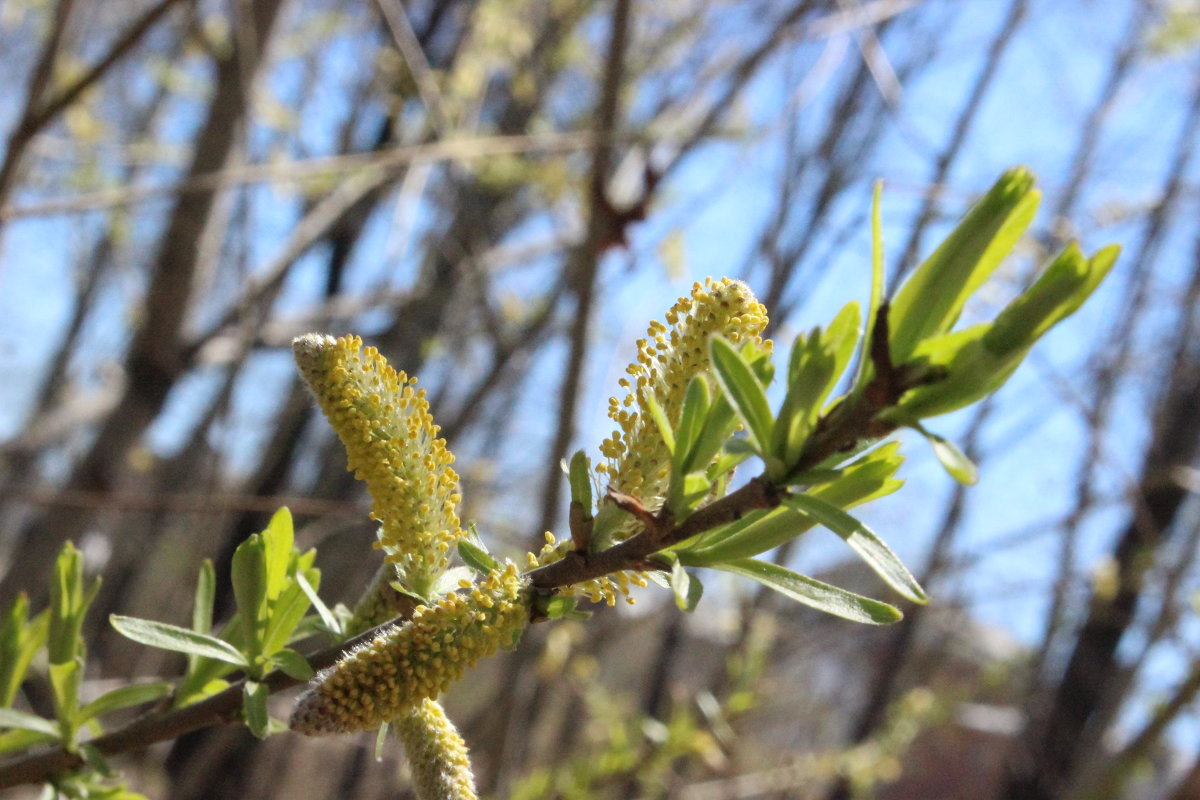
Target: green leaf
[(98, 765), (475, 557), (249, 572), (278, 543), (180, 640), (979, 360), (696, 403), (816, 363), (254, 708), (718, 427), (286, 611), (877, 280), (1059, 292), (660, 421), (930, 301), (69, 601), (580, 477), (20, 639), (744, 392), (687, 587), (330, 620), (124, 697), (756, 532), (814, 593), (15, 740), (206, 590), (955, 461), (563, 607), (24, 721), (867, 478), (293, 664), (863, 541), (65, 678)]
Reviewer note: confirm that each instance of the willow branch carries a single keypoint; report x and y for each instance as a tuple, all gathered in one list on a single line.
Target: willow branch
[(852, 420), (220, 709)]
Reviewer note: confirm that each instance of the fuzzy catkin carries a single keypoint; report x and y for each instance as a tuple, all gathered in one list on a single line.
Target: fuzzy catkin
[(393, 446), (408, 663), (638, 462), (437, 754)]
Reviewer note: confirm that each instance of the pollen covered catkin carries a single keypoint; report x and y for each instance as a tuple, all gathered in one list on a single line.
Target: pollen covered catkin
[(406, 664), (393, 446), (437, 754), (638, 461)]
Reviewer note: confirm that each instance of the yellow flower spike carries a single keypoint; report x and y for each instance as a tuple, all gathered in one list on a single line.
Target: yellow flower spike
[(437, 754), (392, 444), (638, 460), (389, 676)]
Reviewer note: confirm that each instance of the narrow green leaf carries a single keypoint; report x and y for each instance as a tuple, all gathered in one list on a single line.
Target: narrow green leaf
[(475, 557), (99, 767), (65, 678), (661, 422), (930, 301), (687, 587), (206, 590), (330, 620), (863, 541), (293, 664), (254, 708), (840, 339), (867, 478), (124, 697), (14, 740), (955, 461), (1059, 291), (580, 478), (742, 389), (287, 609), (563, 607), (67, 606), (877, 281), (278, 543), (718, 427), (814, 593), (20, 640), (180, 640), (756, 532), (249, 573), (696, 402), (24, 721)]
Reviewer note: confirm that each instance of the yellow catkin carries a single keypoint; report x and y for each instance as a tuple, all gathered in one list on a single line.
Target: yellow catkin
[(392, 444), (638, 462), (408, 663), (605, 589), (437, 754)]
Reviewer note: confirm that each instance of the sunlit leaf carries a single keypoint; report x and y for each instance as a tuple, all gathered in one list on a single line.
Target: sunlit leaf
[(742, 389), (254, 708), (180, 640), (814, 593), (124, 697), (863, 541), (930, 301)]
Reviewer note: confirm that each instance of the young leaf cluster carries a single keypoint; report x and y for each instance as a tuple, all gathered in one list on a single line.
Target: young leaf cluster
[(273, 585)]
